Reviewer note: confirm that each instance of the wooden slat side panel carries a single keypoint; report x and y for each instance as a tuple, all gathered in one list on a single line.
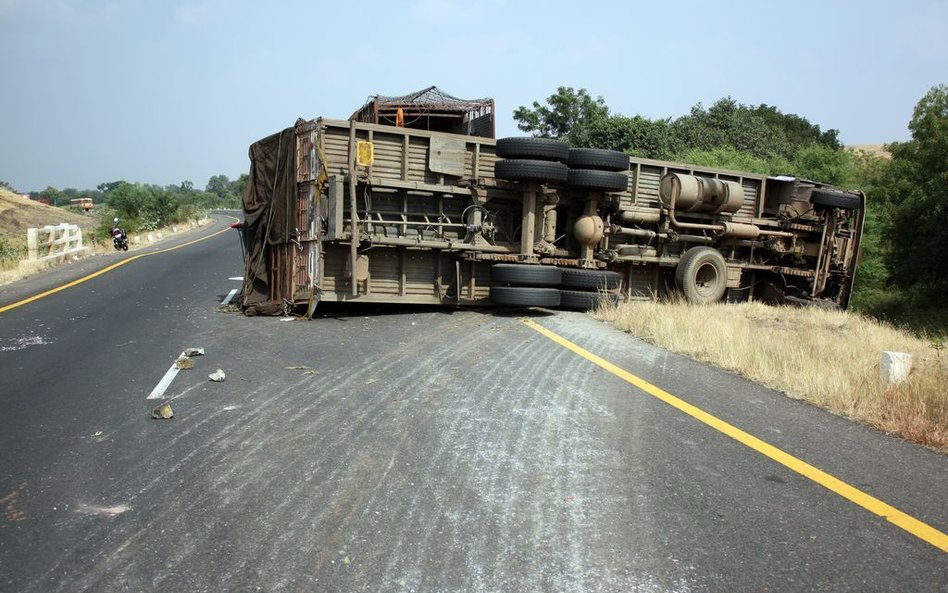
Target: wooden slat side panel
[(648, 182), (421, 272)]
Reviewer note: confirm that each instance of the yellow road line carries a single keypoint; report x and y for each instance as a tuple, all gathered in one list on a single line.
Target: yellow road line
[(910, 524), (41, 295)]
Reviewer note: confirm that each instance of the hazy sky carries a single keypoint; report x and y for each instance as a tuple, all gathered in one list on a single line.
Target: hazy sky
[(166, 91)]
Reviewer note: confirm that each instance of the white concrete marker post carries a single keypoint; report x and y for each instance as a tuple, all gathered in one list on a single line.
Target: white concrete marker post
[(895, 367)]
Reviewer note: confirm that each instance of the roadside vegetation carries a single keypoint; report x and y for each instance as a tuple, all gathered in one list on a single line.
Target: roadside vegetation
[(903, 275), (139, 208), (826, 357)]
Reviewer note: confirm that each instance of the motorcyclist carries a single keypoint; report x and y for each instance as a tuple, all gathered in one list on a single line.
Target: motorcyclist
[(119, 238)]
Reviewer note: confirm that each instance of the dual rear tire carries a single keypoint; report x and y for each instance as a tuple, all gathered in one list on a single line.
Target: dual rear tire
[(538, 286), (546, 160)]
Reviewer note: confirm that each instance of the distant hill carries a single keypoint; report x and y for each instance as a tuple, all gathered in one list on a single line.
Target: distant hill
[(18, 214), (873, 149)]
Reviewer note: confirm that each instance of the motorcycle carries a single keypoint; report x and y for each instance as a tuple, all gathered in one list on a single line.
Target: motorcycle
[(119, 239)]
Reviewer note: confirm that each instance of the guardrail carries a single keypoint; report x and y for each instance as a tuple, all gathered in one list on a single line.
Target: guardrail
[(55, 241)]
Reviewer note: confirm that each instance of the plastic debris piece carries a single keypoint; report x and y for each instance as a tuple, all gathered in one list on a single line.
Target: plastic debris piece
[(306, 370), (97, 433), (162, 412), (217, 376), (184, 363), (189, 352)]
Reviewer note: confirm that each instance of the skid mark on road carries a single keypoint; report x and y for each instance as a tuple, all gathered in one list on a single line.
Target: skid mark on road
[(910, 524)]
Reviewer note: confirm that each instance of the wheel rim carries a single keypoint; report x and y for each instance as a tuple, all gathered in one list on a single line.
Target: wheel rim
[(706, 279)]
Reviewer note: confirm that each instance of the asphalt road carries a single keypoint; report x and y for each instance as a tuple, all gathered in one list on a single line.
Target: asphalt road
[(410, 450)]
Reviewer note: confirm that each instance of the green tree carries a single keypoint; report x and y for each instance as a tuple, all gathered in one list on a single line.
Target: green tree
[(634, 135), (53, 195), (825, 164), (567, 113), (727, 157), (797, 130), (7, 186), (729, 124), (871, 173), (107, 186), (919, 199), (238, 185), (219, 185)]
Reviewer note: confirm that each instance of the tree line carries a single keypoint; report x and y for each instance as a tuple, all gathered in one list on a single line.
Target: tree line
[(903, 274), (145, 207)]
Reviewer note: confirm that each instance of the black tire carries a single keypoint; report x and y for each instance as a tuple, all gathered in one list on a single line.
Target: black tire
[(701, 275), (584, 300), (531, 170), (590, 179), (528, 147), (833, 199), (595, 158), (526, 275), (125, 247), (519, 296), (591, 279)]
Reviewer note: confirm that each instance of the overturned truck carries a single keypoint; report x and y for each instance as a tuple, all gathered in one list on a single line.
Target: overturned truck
[(370, 212)]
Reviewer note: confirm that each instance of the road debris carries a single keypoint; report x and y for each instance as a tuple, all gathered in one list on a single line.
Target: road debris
[(184, 363), (189, 352), (11, 514), (162, 412), (112, 511), (217, 376), (306, 370)]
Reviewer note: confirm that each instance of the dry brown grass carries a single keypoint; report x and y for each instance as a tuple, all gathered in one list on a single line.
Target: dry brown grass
[(878, 150), (18, 214), (828, 358)]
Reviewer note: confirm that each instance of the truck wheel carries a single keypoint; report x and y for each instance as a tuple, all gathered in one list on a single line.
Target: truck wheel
[(835, 199), (519, 296), (592, 279), (702, 275), (531, 170), (529, 147), (590, 179), (594, 158), (584, 300), (526, 275)]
